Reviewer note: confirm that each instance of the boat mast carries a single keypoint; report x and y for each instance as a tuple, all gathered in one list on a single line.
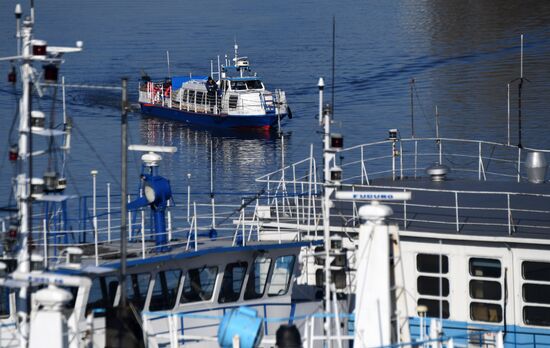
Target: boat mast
[(25, 176), (328, 158)]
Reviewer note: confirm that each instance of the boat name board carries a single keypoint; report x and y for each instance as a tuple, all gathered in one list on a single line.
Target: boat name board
[(373, 196)]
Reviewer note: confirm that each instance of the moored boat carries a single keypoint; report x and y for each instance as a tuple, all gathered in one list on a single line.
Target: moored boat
[(237, 99)]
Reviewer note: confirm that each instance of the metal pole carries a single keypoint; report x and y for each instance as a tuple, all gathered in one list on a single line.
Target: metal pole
[(508, 87), (123, 192), (412, 108), (212, 200), (109, 212), (94, 212), (188, 194)]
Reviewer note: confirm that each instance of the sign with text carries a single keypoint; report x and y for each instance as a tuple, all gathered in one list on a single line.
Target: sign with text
[(374, 195)]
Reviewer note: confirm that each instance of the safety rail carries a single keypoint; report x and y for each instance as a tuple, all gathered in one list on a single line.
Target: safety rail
[(75, 223), (199, 101), (292, 191)]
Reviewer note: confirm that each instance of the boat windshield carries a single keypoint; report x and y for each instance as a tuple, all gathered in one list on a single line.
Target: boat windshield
[(244, 85), (254, 84)]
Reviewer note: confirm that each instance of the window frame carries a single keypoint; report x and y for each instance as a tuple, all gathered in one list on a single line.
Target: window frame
[(267, 278), (272, 272), (242, 285), (526, 305), (473, 301), (443, 301), (214, 295)]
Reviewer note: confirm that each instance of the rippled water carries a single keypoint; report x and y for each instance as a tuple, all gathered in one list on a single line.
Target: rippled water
[(460, 53)]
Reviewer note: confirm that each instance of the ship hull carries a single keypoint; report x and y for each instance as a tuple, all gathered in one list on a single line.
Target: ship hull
[(211, 120)]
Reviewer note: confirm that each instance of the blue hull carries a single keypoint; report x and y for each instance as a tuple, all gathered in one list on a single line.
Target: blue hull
[(211, 120)]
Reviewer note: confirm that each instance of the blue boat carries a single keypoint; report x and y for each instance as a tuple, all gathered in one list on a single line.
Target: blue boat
[(237, 98)]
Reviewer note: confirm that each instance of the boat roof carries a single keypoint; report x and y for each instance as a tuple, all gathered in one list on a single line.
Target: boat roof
[(244, 78), (179, 255), (178, 81)]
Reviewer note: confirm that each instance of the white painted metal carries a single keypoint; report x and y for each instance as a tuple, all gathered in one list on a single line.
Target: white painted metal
[(373, 312)]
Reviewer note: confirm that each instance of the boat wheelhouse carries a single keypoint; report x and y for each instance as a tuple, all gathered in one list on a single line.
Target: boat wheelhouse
[(237, 99)]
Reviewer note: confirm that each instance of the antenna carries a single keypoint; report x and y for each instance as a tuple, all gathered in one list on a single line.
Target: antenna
[(521, 78), (168, 63), (412, 107), (333, 62)]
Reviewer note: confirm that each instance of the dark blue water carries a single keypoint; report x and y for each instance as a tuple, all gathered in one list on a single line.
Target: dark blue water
[(461, 54)]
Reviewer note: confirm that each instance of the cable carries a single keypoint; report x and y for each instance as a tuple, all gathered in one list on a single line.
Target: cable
[(96, 154)]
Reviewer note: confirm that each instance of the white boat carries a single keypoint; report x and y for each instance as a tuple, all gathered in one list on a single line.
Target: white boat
[(238, 98)]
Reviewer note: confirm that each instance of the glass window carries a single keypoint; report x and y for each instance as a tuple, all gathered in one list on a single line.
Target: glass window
[(112, 287), (489, 312), (485, 290), (4, 302), (200, 97), (489, 268), (430, 286), (280, 278), (233, 100), (191, 97), (433, 307), (430, 263), (536, 315), (136, 289), (233, 279), (238, 85), (537, 293), (165, 290), (257, 278), (254, 84), (536, 270), (198, 284)]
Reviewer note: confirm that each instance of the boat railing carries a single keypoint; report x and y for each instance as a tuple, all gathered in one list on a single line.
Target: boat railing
[(292, 191), (311, 326), (410, 157), (96, 229)]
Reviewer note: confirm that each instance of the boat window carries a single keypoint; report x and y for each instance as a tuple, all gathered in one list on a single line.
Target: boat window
[(191, 97), (490, 312), (165, 290), (238, 85), (537, 293), (254, 84), (4, 302), (485, 290), (431, 263), (536, 270), (200, 97), (536, 315), (233, 279), (434, 308), (257, 278), (112, 287), (98, 297), (432, 284), (281, 275), (136, 289), (488, 289), (489, 268), (534, 294), (198, 284), (233, 101)]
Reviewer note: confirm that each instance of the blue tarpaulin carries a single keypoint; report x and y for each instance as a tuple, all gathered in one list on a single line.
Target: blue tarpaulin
[(178, 81)]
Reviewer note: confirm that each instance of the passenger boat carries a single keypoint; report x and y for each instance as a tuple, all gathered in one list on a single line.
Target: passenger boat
[(237, 99), (469, 246)]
